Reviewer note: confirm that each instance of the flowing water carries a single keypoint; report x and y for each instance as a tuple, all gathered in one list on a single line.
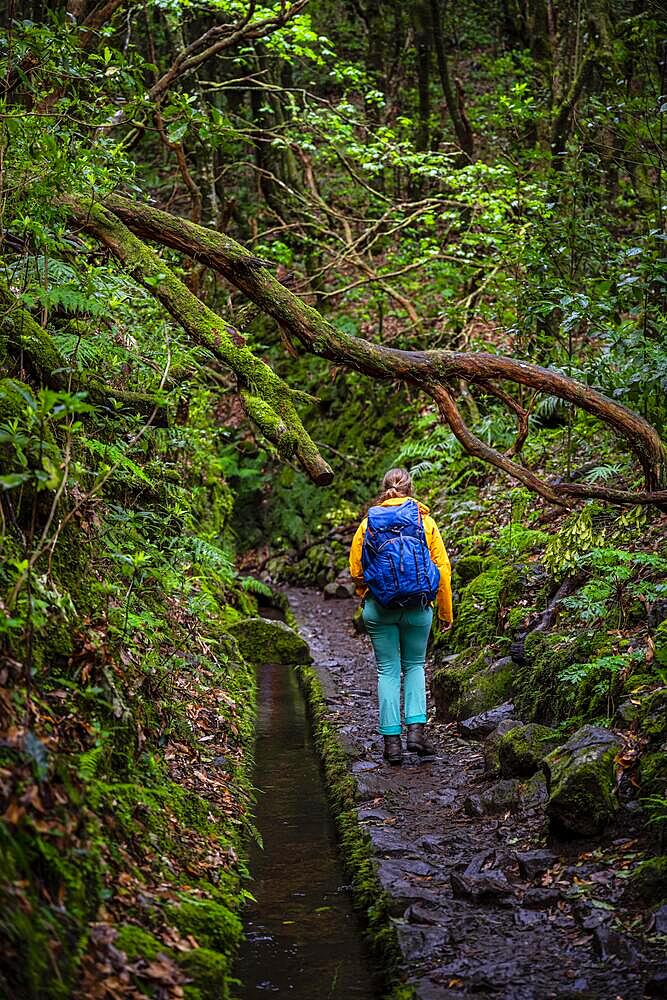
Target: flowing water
[(302, 936)]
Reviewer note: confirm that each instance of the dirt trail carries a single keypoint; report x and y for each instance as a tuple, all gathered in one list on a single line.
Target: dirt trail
[(476, 916)]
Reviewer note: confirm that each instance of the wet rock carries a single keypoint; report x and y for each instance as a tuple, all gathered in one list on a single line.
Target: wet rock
[(653, 711), (338, 589), (364, 765), (377, 814), (418, 913), (580, 781), (498, 798), (534, 792), (485, 885), (534, 863), (520, 751), (529, 918), (370, 785), (420, 942), (540, 897), (446, 798), (430, 843), (262, 640), (591, 916), (626, 712), (479, 726), (656, 986), (387, 841), (608, 943), (491, 760), (660, 920)]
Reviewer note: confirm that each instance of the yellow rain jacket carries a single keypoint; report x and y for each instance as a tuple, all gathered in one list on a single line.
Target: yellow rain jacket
[(435, 547)]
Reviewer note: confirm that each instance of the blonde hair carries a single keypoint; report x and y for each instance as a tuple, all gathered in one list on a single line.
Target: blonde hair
[(395, 483)]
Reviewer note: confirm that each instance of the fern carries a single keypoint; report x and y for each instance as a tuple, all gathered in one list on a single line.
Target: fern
[(254, 586), (113, 455), (88, 762)]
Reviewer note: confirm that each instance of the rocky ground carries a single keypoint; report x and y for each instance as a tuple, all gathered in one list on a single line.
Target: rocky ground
[(488, 901)]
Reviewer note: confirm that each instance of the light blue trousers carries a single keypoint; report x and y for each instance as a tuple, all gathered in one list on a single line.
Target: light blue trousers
[(399, 637)]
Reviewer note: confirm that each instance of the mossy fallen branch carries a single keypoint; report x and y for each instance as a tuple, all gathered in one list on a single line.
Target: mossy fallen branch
[(267, 397), (433, 371)]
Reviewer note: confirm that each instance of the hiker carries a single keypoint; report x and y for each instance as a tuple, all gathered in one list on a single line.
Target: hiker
[(400, 568)]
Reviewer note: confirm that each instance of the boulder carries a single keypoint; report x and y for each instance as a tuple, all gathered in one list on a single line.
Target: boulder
[(653, 715), (477, 727), (491, 761), (534, 863), (485, 885), (520, 750), (262, 640), (648, 881), (501, 796), (580, 781)]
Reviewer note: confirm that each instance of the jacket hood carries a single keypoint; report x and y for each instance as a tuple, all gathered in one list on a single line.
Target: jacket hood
[(397, 501)]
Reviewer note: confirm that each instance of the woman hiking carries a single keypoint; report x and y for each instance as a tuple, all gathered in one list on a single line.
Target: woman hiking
[(400, 568)]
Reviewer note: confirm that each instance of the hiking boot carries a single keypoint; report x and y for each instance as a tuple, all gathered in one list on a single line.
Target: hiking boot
[(393, 750), (417, 742)]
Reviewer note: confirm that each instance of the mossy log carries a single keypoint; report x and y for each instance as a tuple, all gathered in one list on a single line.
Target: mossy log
[(431, 370)]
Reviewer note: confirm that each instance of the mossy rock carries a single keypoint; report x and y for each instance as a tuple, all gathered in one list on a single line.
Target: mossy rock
[(649, 880), (461, 689), (521, 750), (653, 772), (492, 743), (468, 567), (653, 715), (580, 781), (210, 972), (447, 686), (137, 943), (262, 640), (660, 641), (212, 924), (492, 685)]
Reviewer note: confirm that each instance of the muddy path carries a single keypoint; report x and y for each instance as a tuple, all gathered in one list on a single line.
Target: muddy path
[(485, 904)]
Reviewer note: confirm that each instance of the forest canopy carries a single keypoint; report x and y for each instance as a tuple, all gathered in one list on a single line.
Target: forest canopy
[(370, 229)]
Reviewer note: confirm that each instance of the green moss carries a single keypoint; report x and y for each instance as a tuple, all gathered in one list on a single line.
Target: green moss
[(539, 694), (521, 750), (213, 925), (264, 641), (649, 880), (653, 773), (660, 641), (468, 567), (480, 603), (209, 970), (653, 715), (580, 779), (137, 943)]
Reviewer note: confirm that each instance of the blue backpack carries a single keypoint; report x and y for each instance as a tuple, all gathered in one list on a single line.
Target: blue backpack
[(397, 564)]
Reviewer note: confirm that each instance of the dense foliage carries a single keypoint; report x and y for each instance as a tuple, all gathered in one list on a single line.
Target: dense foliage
[(472, 177)]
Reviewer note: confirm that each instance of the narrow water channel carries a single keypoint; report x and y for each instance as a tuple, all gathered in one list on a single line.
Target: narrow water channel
[(302, 936)]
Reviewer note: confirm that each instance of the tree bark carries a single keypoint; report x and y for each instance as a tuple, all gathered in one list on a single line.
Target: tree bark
[(459, 121), (429, 370)]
